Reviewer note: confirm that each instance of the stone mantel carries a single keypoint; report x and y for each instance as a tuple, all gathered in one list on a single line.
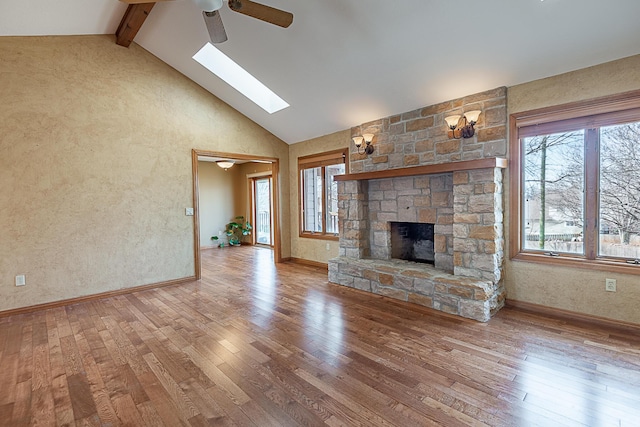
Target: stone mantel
[(493, 162)]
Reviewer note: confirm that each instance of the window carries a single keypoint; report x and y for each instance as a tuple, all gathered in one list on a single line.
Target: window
[(319, 193), (575, 174)]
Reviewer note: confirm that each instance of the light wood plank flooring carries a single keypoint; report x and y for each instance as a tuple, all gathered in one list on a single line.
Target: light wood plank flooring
[(256, 345)]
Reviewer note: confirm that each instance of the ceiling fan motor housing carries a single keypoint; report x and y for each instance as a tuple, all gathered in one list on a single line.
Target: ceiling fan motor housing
[(209, 5)]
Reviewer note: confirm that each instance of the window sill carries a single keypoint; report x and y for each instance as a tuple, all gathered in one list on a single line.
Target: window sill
[(320, 236), (601, 264)]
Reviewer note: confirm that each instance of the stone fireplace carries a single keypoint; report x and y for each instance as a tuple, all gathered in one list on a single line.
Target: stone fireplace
[(419, 176)]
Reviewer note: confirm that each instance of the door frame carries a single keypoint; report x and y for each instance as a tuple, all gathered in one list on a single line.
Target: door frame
[(275, 172), (251, 184)]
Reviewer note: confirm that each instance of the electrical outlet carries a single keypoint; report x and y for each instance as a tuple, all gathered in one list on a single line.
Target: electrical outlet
[(610, 285), (21, 280)]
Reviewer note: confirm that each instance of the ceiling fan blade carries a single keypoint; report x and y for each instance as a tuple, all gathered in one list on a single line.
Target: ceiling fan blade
[(262, 12), (214, 26)]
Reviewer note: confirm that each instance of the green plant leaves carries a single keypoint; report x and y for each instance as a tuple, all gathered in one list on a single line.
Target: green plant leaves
[(236, 230)]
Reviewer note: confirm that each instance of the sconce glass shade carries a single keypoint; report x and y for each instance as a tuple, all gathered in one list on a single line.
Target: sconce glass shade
[(358, 141), (452, 121), (472, 116), (209, 5), (368, 137), (224, 164)]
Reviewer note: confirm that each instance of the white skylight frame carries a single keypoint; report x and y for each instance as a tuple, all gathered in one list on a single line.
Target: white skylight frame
[(237, 77)]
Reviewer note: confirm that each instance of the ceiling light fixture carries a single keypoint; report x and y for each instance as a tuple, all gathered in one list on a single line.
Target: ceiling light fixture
[(366, 138), (466, 130), (225, 164)]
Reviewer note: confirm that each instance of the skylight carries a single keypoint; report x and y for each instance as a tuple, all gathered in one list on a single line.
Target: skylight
[(236, 76)]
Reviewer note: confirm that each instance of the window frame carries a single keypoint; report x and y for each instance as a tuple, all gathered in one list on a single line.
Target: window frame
[(322, 160), (587, 115)]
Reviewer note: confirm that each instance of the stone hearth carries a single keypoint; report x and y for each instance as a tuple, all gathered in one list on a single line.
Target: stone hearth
[(419, 284), (457, 186)]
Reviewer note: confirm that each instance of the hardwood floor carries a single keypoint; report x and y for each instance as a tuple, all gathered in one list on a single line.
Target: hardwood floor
[(255, 345)]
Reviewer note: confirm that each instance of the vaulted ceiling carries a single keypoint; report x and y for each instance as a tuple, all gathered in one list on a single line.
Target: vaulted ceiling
[(345, 62)]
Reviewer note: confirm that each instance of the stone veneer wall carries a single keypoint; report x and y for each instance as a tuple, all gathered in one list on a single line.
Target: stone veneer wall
[(419, 137), (466, 205)]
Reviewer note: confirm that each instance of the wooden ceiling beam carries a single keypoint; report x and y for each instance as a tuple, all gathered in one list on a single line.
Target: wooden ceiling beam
[(131, 22)]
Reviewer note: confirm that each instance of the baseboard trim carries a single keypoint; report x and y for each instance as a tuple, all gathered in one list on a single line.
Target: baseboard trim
[(572, 315), (85, 298), (303, 261)]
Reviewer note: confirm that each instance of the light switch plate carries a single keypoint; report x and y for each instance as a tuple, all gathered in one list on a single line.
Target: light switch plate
[(21, 280), (188, 211)]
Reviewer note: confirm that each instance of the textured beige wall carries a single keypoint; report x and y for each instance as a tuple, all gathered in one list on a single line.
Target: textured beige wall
[(593, 82), (304, 247), (572, 288), (95, 166), (216, 198)]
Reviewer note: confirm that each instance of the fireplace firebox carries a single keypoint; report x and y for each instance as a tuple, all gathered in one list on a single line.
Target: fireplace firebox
[(412, 241)]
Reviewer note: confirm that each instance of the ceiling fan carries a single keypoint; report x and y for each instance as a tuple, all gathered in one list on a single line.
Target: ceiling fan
[(211, 12)]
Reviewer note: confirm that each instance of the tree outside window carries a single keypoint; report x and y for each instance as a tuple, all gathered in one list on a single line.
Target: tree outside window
[(620, 191), (553, 184)]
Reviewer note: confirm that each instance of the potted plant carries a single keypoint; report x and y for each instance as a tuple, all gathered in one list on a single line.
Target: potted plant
[(235, 231)]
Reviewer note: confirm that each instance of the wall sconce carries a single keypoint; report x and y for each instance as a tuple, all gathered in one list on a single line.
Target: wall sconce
[(225, 164), (366, 138), (466, 130)]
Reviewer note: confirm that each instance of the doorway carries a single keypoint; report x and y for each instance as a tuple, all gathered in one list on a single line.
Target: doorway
[(262, 210), (274, 200)]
